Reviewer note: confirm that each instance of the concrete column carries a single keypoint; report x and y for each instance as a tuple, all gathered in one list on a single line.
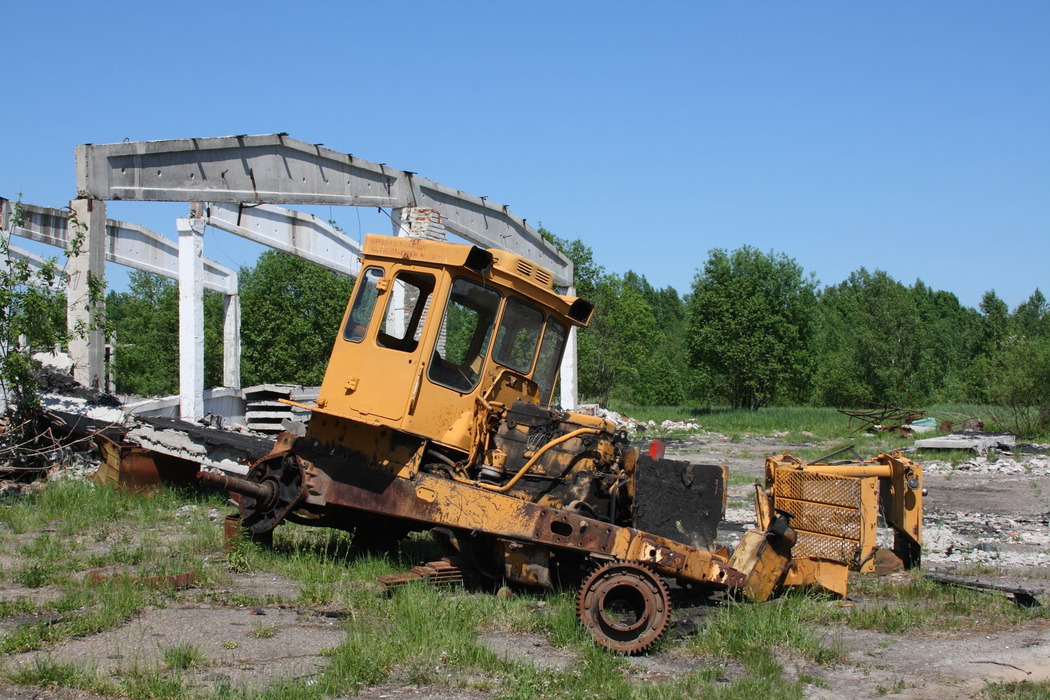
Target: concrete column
[(231, 341), (191, 318), (569, 375), (85, 290)]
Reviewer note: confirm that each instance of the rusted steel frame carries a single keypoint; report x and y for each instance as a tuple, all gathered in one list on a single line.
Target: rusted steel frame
[(633, 586), (434, 501)]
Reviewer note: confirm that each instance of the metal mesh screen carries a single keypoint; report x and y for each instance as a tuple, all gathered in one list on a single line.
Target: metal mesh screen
[(823, 519), (803, 486), (828, 514), (813, 545)]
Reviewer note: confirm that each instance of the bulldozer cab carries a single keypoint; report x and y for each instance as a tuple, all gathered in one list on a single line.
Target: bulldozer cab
[(434, 327)]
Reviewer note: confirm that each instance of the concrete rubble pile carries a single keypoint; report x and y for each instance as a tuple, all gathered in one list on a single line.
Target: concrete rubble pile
[(632, 425), (74, 425), (999, 464)]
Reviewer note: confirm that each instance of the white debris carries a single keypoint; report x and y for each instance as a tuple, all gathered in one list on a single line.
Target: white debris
[(81, 407), (185, 446), (677, 425), (72, 466), (186, 511), (55, 360), (1005, 465), (624, 422)]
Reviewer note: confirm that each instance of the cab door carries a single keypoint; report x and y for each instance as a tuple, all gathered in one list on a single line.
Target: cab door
[(456, 366), (376, 362)]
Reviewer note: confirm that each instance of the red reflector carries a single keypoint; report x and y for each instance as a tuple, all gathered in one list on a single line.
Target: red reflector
[(657, 449)]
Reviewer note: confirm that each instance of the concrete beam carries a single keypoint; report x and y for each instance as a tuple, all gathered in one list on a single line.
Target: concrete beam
[(979, 443), (127, 244), (270, 168), (300, 234), (140, 248), (40, 224), (35, 262), (490, 225), (276, 169)]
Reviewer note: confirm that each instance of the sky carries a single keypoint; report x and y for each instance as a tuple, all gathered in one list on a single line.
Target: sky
[(909, 137)]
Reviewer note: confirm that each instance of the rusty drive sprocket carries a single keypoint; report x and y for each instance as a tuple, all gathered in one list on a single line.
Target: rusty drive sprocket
[(626, 607)]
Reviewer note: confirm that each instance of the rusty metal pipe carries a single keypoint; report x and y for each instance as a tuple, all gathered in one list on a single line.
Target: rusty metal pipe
[(263, 493)]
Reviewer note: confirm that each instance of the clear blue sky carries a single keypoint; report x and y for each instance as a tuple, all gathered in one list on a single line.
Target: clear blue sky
[(912, 137)]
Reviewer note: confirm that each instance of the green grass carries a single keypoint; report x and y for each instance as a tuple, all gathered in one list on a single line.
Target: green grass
[(261, 631), (750, 632), (46, 672), (88, 610), (423, 637), (1019, 690), (138, 683), (917, 604), (427, 637), (823, 423), (122, 530), (418, 635), (183, 656)]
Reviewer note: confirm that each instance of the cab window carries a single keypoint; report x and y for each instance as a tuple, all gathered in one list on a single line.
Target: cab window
[(518, 336), (406, 308), (364, 304), (551, 350), (463, 340)]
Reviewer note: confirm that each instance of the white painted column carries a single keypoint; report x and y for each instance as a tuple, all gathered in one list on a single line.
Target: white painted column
[(191, 318), (395, 312), (569, 376), (417, 222), (85, 290), (231, 341)]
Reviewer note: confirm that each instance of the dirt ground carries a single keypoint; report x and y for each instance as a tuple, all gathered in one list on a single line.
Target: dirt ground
[(988, 516)]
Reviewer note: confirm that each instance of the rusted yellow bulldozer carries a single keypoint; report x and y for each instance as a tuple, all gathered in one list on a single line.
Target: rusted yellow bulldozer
[(435, 414)]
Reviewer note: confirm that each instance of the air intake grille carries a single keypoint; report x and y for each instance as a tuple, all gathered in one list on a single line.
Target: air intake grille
[(833, 490), (822, 518), (828, 514), (811, 545)]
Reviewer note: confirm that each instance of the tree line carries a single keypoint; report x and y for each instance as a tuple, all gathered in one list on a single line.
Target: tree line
[(754, 330)]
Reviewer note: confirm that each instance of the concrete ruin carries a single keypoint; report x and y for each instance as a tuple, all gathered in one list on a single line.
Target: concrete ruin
[(234, 184)]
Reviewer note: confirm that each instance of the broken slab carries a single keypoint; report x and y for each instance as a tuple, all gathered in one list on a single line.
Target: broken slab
[(977, 442), (211, 447), (225, 402)]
